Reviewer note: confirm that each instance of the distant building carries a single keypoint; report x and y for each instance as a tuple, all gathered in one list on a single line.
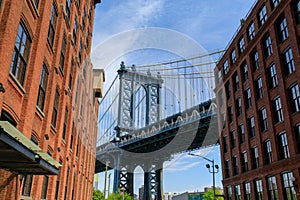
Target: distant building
[(141, 192), (189, 196), (259, 72), (48, 109), (169, 196)]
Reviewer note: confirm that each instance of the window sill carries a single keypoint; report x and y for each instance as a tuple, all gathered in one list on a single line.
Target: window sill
[(33, 9), (26, 198), (53, 128), (63, 141), (40, 112), (18, 84)]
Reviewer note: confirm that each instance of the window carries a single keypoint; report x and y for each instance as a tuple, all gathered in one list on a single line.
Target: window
[(283, 30), (71, 75), (62, 54), (297, 11), (263, 119), (273, 81), (42, 87), (57, 182), (78, 4), (268, 50), (244, 162), (227, 90), (65, 124), (80, 51), (225, 144), (87, 39), (288, 186), (268, 158), (45, 187), (258, 190), (255, 61), (251, 31), (251, 126), (238, 105), (225, 67), (274, 3), (237, 189), (272, 188), (247, 191), (83, 19), (221, 98), (72, 136), (235, 81), (297, 136), (21, 54), (288, 62), (229, 192), (233, 56), (68, 10), (227, 169), (75, 31), (283, 146), (84, 68), (294, 96), (73, 187), (230, 114), (255, 161), (52, 25), (36, 3), (233, 139), (242, 133), (241, 45), (67, 183), (77, 146), (262, 15), (248, 101), (235, 165), (259, 88), (219, 76), (277, 110), (34, 139), (27, 184), (55, 109), (244, 70)]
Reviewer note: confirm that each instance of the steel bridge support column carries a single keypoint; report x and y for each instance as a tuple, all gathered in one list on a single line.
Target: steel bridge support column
[(159, 179), (153, 183), (116, 174), (147, 186), (123, 179)]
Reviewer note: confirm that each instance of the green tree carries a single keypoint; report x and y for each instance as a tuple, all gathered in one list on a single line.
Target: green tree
[(209, 195), (98, 195), (119, 196)]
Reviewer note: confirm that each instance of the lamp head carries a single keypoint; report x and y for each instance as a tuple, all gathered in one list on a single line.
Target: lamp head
[(207, 166), (217, 166)]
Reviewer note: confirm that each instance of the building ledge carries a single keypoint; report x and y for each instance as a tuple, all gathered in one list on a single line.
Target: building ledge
[(20, 155)]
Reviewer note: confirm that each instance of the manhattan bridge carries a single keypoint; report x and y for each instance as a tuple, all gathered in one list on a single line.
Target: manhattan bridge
[(151, 113)]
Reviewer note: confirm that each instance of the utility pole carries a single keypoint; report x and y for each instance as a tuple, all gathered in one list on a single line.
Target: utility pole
[(208, 166), (105, 179)]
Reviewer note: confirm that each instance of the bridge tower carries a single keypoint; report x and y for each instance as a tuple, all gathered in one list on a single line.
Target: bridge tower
[(131, 83)]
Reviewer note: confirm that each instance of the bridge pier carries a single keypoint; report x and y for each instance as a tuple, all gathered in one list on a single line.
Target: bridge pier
[(153, 183)]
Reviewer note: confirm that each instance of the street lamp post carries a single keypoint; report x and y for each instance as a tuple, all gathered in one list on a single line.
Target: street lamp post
[(215, 169)]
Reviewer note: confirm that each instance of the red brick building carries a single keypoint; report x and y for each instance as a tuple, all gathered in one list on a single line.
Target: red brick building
[(259, 78), (48, 109)]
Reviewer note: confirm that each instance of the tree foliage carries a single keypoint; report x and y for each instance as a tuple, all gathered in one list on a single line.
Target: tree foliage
[(98, 195), (209, 195), (119, 196)]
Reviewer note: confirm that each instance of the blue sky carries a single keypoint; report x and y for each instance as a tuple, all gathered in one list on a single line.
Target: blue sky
[(209, 23)]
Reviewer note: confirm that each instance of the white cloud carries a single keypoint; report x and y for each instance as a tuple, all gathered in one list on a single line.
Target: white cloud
[(125, 15)]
